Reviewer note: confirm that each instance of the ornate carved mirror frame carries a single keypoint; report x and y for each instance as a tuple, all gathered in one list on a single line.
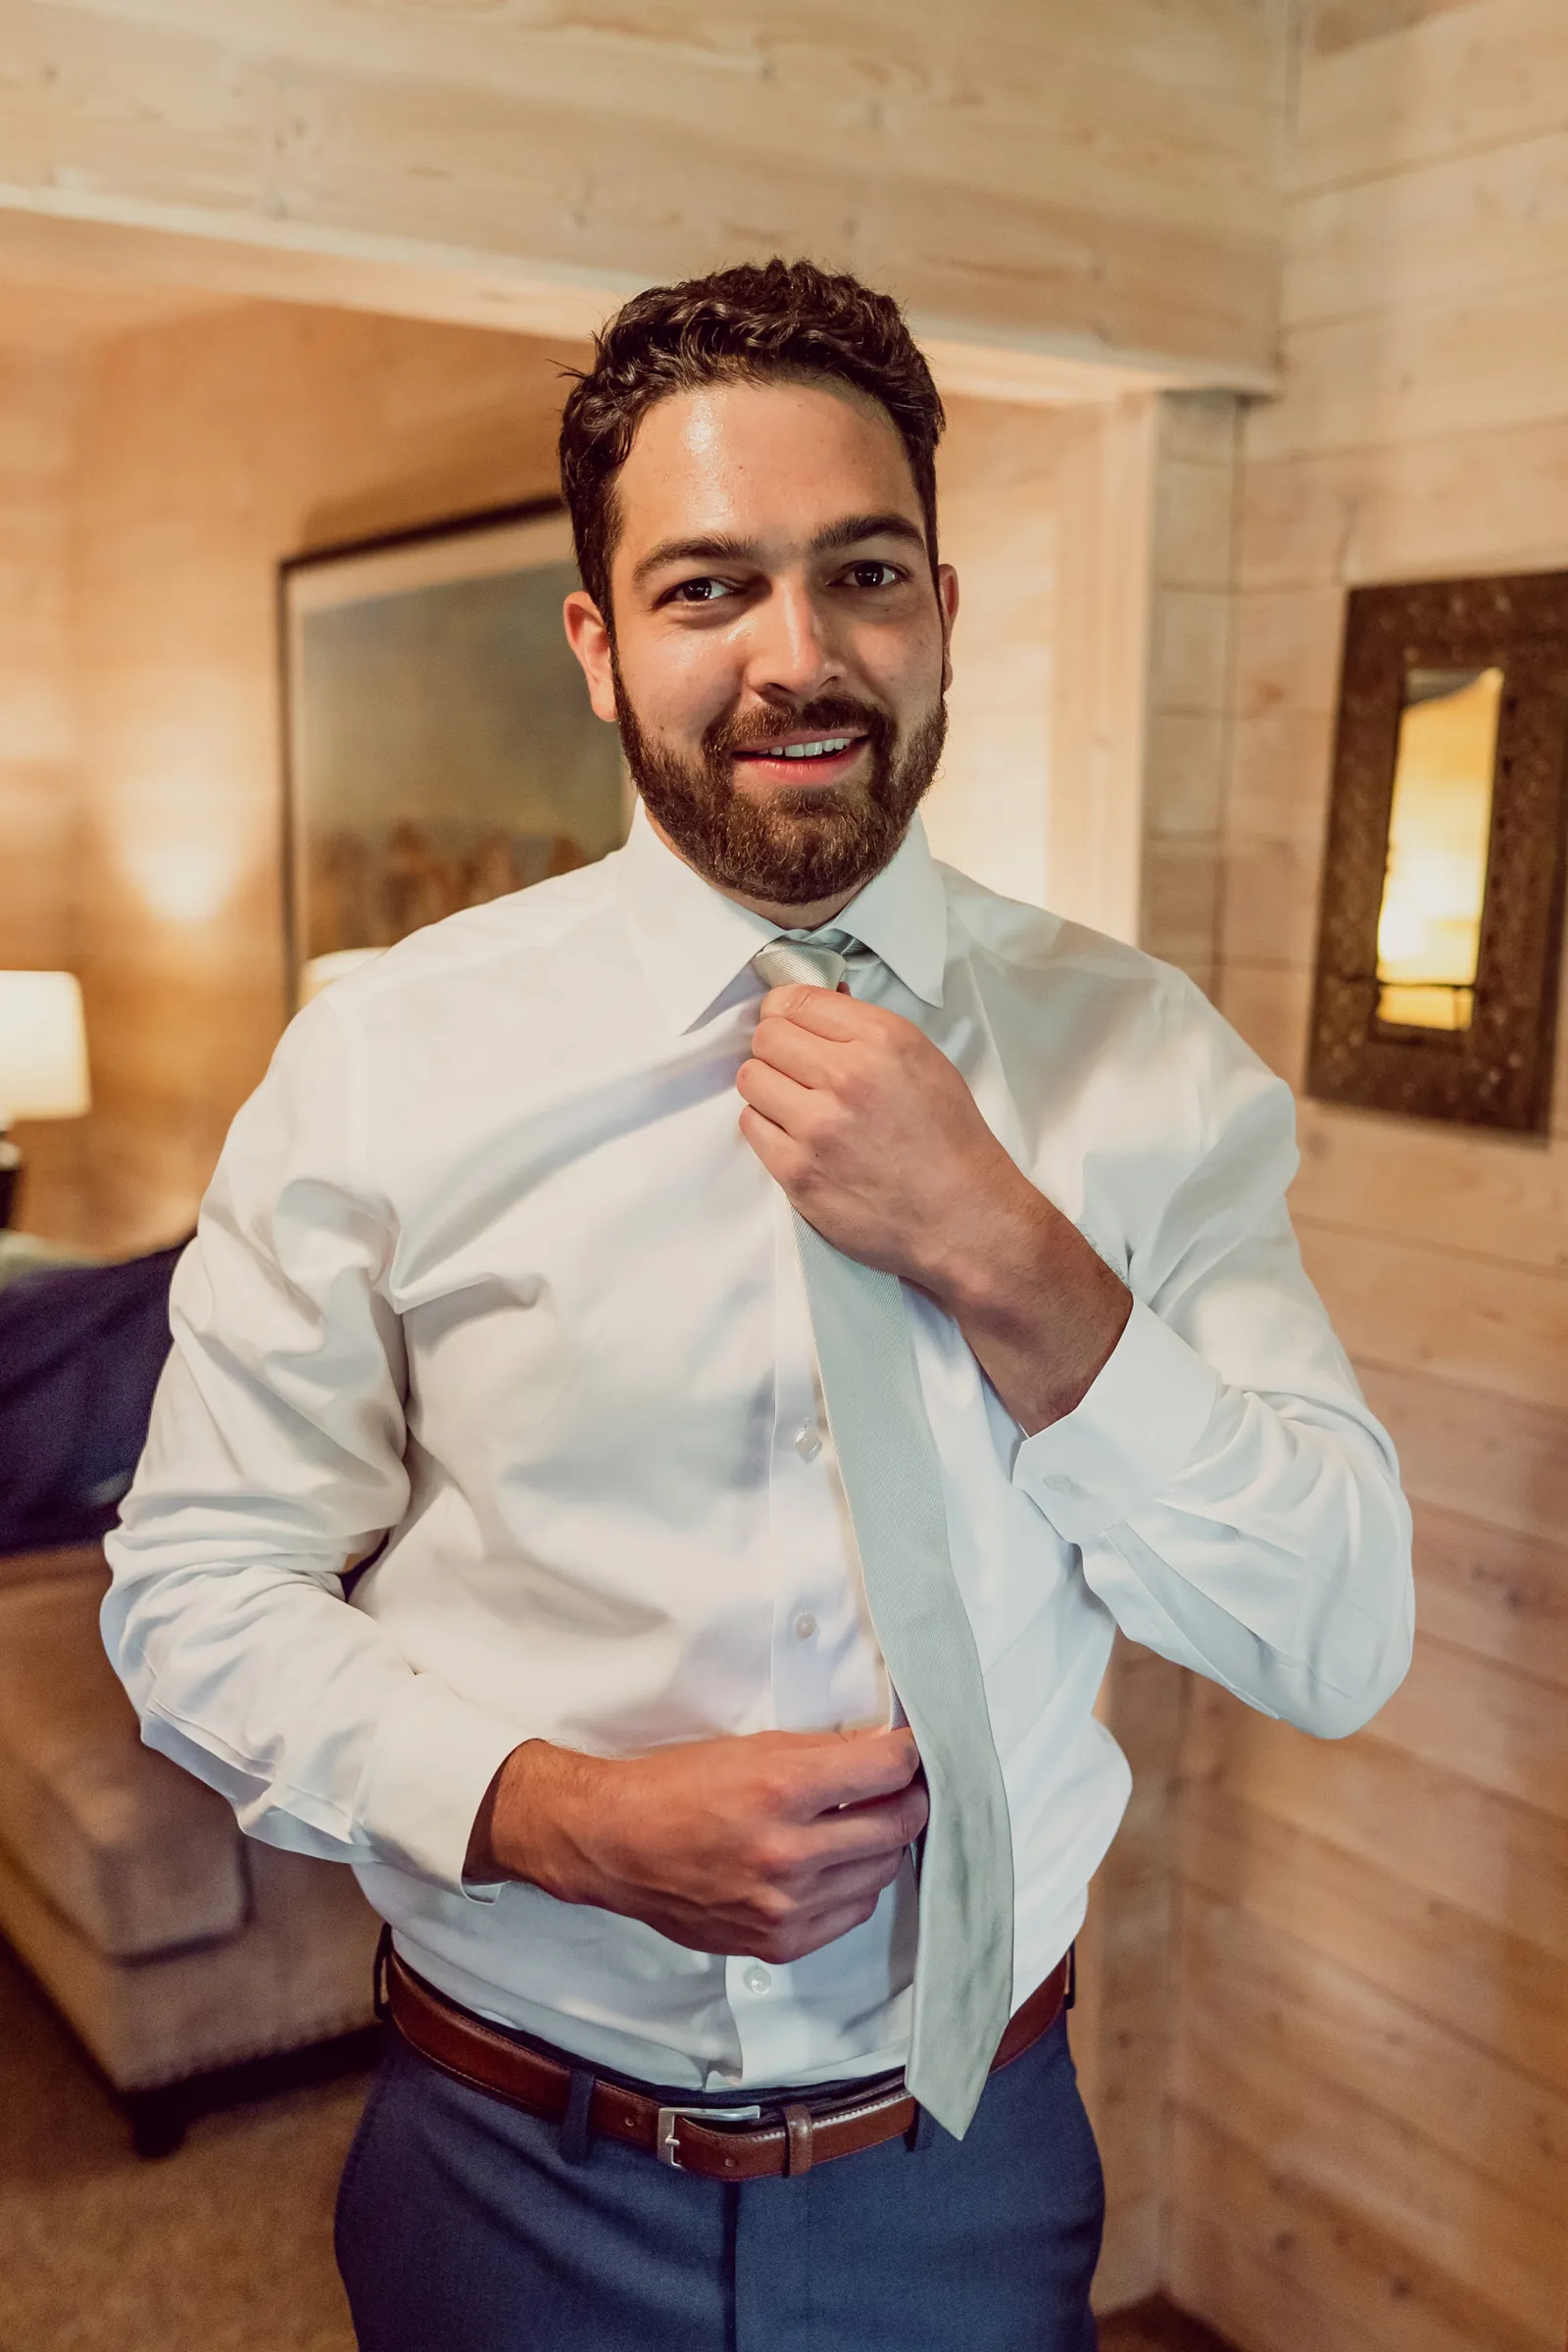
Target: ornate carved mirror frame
[(1495, 1071)]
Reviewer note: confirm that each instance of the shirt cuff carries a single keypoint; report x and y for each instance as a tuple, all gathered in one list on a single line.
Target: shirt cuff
[(1128, 1437), (428, 1782)]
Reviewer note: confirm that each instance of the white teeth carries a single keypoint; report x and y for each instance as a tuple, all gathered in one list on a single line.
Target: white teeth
[(821, 750)]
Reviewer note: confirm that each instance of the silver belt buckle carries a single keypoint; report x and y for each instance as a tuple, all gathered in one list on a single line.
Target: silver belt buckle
[(666, 2148)]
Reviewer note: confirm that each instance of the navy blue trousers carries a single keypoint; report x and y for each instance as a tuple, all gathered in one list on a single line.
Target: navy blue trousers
[(461, 2228)]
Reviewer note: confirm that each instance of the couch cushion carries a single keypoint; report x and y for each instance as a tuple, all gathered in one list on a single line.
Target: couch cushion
[(134, 1852), (80, 1351)]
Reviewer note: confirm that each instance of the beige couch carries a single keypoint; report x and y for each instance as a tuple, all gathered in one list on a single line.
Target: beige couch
[(177, 1948)]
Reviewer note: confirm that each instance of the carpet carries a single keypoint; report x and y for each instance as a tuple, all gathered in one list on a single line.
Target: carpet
[(224, 2248)]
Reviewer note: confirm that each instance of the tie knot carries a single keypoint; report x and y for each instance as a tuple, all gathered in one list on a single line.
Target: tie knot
[(817, 958)]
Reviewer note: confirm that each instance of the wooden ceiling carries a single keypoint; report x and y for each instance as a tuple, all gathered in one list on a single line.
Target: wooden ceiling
[(65, 285)]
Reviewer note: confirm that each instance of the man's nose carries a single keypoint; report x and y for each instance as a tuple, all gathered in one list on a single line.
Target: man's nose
[(791, 653)]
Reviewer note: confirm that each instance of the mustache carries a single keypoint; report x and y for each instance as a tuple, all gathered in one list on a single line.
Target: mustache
[(829, 714)]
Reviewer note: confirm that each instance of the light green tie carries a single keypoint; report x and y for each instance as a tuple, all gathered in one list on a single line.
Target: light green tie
[(893, 1484)]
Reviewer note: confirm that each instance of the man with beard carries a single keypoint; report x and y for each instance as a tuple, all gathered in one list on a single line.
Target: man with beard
[(749, 1491)]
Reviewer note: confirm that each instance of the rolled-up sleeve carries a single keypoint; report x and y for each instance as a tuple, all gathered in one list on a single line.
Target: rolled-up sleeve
[(273, 1462), (1234, 1503)]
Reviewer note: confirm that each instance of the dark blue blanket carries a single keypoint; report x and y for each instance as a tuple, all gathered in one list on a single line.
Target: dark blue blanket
[(80, 1351)]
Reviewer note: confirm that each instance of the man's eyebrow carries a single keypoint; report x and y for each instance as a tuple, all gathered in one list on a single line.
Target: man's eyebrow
[(715, 549), (856, 527), (722, 547)]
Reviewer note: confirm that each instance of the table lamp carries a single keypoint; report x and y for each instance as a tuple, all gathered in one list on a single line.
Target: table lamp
[(43, 1061)]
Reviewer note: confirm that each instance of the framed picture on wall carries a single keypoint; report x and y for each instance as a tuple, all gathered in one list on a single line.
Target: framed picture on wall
[(440, 749)]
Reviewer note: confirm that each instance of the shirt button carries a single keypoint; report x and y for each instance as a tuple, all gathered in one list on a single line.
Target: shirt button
[(804, 1625), (807, 1442), (757, 1978)]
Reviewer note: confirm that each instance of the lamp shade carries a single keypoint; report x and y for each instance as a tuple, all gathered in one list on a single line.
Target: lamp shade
[(43, 1047)]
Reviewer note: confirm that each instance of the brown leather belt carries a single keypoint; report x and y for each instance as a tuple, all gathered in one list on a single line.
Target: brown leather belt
[(695, 2139)]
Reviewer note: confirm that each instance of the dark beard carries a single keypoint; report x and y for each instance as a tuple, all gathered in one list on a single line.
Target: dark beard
[(793, 849)]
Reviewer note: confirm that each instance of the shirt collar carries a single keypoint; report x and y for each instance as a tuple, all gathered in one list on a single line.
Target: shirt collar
[(693, 941)]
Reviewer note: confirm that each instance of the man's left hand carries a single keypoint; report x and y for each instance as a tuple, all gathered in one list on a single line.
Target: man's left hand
[(877, 1141)]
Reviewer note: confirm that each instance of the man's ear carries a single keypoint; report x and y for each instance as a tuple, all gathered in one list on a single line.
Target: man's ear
[(947, 599), (588, 635)]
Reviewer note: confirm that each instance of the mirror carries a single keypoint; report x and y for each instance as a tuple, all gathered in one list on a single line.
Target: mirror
[(1435, 882), (1440, 927)]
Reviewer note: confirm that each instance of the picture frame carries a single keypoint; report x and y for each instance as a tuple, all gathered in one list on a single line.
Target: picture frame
[(1491, 1065), (439, 747)]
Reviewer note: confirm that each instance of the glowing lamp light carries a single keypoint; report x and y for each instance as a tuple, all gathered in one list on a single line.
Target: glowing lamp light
[(188, 882), (43, 1048), (43, 1061)]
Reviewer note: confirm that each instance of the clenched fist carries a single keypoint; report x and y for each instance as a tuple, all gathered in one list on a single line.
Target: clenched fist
[(772, 1845), (877, 1141)]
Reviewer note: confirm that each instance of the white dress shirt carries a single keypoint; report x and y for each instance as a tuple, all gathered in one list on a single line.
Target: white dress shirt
[(488, 1272)]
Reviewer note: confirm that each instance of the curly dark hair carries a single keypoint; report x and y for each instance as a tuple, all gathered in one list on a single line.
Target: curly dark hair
[(756, 323)]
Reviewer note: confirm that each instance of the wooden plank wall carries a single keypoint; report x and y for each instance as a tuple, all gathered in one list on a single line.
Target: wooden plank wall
[(1189, 684), (1370, 2113), (1100, 650), (1096, 178), (1124, 2025), (997, 484), (40, 814)]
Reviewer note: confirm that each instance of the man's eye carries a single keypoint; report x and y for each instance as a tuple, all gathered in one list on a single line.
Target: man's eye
[(700, 592), (873, 576)]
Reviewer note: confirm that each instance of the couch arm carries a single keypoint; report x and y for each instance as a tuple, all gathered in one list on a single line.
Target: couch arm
[(60, 1560)]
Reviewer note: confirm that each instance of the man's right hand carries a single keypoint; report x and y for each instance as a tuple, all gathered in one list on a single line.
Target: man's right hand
[(772, 1845)]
